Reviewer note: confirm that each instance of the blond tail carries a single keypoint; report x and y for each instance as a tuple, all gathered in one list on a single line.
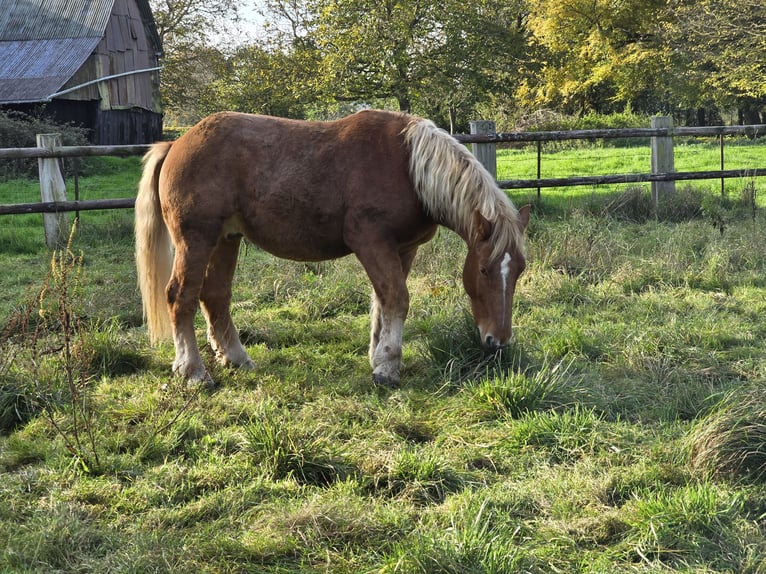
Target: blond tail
[(154, 250)]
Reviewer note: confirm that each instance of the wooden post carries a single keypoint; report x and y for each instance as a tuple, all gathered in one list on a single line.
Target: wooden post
[(52, 188), (486, 153), (662, 159)]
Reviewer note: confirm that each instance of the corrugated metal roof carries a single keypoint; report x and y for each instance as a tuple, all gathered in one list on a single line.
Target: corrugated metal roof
[(33, 70), (44, 42), (22, 20)]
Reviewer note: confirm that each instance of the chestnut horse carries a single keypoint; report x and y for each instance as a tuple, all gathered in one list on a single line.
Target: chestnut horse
[(376, 184)]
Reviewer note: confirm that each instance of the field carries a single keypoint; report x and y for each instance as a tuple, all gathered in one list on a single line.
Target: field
[(623, 431)]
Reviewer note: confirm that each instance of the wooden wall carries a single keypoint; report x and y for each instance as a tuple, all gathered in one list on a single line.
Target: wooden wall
[(129, 109)]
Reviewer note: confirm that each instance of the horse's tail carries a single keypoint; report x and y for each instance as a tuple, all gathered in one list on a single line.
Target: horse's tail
[(154, 250)]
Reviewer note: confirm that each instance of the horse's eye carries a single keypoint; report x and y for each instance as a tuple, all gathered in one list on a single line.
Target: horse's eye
[(484, 271)]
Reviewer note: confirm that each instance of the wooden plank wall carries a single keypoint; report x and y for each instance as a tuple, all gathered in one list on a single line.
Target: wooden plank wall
[(125, 47)]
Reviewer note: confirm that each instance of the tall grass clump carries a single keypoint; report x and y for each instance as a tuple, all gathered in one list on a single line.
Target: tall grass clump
[(691, 526), (17, 404), (477, 538), (283, 451), (730, 442), (565, 435), (517, 394), (419, 474)]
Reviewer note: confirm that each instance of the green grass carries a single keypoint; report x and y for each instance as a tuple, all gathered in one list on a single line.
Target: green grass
[(580, 159), (623, 431)]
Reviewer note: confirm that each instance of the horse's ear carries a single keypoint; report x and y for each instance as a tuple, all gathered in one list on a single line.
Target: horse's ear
[(524, 213), (482, 227)]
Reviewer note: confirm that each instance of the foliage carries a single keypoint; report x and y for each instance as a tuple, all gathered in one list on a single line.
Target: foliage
[(716, 41), (453, 60), (19, 130), (188, 31), (438, 58), (591, 55)]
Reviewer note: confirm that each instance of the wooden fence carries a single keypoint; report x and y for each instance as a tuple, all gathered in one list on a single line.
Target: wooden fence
[(483, 138), (661, 135)]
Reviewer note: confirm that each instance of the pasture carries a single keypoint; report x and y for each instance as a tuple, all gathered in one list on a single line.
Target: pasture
[(623, 431)]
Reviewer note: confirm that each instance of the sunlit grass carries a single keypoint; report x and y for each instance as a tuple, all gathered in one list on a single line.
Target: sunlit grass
[(622, 431)]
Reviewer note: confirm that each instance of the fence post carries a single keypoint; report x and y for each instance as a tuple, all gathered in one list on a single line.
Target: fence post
[(486, 153), (662, 159), (52, 188)]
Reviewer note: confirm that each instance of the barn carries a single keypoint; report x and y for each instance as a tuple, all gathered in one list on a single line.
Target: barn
[(93, 63)]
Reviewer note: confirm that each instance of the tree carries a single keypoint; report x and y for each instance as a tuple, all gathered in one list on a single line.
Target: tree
[(477, 52), (440, 58), (190, 30), (369, 48), (720, 44), (272, 82), (598, 55)]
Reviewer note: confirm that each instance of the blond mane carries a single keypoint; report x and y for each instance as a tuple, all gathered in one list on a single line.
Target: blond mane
[(451, 184)]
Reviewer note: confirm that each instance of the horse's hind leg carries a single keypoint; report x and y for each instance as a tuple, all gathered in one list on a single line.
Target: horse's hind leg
[(216, 300), (183, 295)]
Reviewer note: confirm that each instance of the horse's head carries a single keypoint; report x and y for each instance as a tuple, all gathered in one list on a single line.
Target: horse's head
[(490, 280)]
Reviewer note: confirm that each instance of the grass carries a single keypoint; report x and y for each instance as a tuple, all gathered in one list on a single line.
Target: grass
[(623, 431), (573, 159)]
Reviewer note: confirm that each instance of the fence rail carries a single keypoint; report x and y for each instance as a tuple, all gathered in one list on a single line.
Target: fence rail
[(64, 206), (630, 178), (73, 151), (548, 136), (484, 143)]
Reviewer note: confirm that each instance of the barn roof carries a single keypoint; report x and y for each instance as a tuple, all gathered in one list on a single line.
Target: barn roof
[(44, 42)]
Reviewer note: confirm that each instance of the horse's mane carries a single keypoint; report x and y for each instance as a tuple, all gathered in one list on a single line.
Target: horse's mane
[(451, 184)]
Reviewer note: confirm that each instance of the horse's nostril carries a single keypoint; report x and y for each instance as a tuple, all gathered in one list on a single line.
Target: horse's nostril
[(491, 342)]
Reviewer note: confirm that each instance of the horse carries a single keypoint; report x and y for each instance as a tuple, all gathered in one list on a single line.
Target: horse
[(376, 184)]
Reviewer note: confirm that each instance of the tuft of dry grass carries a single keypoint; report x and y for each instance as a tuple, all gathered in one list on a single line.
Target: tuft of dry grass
[(731, 441)]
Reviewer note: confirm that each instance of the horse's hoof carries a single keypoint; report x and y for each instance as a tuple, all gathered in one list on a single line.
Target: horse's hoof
[(196, 379), (206, 383), (384, 381), (247, 365)]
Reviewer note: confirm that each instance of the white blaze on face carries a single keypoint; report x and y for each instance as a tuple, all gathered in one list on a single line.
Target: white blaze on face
[(505, 270)]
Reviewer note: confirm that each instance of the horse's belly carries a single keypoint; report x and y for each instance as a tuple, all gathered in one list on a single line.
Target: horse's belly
[(302, 251), (307, 240)]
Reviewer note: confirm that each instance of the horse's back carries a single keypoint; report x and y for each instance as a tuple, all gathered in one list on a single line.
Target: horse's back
[(296, 188)]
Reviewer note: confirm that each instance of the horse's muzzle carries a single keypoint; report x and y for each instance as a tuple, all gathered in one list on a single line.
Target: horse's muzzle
[(492, 343)]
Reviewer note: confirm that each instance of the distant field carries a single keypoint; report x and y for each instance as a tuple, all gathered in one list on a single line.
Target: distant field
[(591, 160)]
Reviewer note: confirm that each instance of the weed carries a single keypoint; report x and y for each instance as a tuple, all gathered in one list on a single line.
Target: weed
[(61, 319)]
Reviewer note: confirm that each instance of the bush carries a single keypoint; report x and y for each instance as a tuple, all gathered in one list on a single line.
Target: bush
[(549, 120), (20, 130)]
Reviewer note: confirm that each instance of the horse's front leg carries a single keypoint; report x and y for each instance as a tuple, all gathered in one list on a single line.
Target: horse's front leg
[(386, 358), (390, 303)]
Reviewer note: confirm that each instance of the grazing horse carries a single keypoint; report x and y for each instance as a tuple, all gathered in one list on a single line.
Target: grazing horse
[(376, 184)]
